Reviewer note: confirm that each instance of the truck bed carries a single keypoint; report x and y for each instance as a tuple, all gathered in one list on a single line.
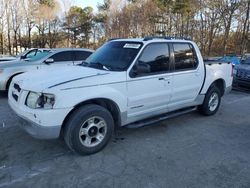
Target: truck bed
[(211, 62)]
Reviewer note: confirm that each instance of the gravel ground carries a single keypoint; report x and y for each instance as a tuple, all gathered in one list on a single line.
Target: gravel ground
[(187, 151)]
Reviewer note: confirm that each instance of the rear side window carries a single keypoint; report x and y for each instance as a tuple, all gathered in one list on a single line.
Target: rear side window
[(81, 55), (62, 56), (157, 57), (185, 56)]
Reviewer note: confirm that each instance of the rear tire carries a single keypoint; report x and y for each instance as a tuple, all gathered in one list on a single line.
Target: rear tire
[(88, 129), (211, 102)]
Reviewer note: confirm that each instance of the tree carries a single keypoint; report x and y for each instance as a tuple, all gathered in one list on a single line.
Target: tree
[(79, 23), (227, 9), (246, 27)]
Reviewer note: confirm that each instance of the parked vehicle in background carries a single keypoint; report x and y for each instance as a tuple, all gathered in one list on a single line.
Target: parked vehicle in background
[(242, 75), (44, 59), (245, 56), (126, 82), (24, 55), (6, 58), (232, 58)]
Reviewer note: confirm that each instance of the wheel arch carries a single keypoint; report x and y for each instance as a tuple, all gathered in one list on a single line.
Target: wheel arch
[(109, 104), (221, 84), (10, 79)]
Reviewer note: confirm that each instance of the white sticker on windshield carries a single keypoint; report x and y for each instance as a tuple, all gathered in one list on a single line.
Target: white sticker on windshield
[(131, 45)]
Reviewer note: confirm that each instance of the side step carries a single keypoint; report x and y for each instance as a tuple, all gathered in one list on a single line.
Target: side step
[(156, 119)]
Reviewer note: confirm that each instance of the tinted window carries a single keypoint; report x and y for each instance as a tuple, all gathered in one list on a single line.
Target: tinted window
[(62, 56), (118, 55), (157, 57), (247, 61), (81, 55), (185, 57)]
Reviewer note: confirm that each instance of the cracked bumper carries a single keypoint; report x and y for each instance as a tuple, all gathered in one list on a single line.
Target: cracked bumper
[(42, 124)]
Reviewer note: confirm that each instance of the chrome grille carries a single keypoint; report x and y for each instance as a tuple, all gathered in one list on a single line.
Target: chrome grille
[(243, 74), (17, 87), (16, 91)]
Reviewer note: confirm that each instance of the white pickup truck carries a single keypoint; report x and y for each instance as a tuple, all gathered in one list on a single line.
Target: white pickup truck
[(126, 82)]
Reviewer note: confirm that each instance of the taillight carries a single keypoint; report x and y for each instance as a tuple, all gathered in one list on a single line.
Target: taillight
[(232, 72)]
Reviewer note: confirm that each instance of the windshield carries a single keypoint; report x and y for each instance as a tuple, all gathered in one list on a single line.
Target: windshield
[(247, 61), (22, 53), (115, 55), (38, 56)]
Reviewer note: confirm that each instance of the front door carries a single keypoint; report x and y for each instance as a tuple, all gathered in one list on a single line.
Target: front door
[(149, 91)]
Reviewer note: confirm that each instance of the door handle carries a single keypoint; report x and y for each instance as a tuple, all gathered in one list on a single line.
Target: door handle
[(165, 79)]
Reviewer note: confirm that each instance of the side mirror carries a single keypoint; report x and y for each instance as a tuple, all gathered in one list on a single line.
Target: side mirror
[(140, 68), (23, 57), (49, 61)]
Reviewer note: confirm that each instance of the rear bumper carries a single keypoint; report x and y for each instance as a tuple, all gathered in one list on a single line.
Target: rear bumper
[(228, 89)]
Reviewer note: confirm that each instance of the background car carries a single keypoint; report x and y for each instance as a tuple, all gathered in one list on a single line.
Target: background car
[(232, 58), (6, 58), (242, 75), (53, 57), (24, 55)]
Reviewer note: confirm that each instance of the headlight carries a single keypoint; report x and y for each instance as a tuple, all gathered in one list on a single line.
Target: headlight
[(235, 71), (40, 100)]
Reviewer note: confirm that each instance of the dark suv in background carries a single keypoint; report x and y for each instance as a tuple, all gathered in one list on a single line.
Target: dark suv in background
[(242, 76)]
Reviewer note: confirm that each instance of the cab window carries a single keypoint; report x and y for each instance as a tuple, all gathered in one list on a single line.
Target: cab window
[(156, 57), (185, 56)]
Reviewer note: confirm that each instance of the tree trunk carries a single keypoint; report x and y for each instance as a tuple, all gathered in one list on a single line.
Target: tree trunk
[(9, 43), (245, 30)]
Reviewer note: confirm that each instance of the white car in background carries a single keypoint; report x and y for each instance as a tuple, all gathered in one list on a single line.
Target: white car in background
[(41, 60), (6, 58), (24, 55)]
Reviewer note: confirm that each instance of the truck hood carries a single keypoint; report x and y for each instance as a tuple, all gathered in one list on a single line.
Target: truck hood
[(243, 67), (62, 77)]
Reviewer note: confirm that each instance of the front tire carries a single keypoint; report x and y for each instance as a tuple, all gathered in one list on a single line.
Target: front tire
[(211, 102), (88, 129)]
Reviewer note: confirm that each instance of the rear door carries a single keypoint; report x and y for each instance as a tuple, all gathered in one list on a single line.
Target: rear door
[(149, 93), (63, 58), (188, 75)]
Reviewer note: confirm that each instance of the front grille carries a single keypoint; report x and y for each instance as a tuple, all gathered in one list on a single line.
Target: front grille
[(15, 96), (243, 75), (17, 87), (16, 91)]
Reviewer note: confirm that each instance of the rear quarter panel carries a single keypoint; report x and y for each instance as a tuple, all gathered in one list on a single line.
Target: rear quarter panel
[(215, 72)]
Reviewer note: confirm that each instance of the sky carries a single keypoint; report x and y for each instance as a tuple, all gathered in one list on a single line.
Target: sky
[(85, 3)]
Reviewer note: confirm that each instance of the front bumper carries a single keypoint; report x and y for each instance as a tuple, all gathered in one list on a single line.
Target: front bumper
[(39, 123), (241, 83)]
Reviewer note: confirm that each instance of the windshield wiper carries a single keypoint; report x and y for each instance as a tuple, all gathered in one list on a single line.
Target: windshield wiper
[(84, 63), (98, 65)]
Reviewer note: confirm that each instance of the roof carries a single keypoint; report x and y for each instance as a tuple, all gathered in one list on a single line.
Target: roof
[(153, 39), (75, 49)]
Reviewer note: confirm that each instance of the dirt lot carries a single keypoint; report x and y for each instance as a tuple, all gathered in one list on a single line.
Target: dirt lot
[(188, 151)]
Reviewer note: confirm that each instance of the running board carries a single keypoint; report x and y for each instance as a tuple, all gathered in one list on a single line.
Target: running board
[(153, 120)]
